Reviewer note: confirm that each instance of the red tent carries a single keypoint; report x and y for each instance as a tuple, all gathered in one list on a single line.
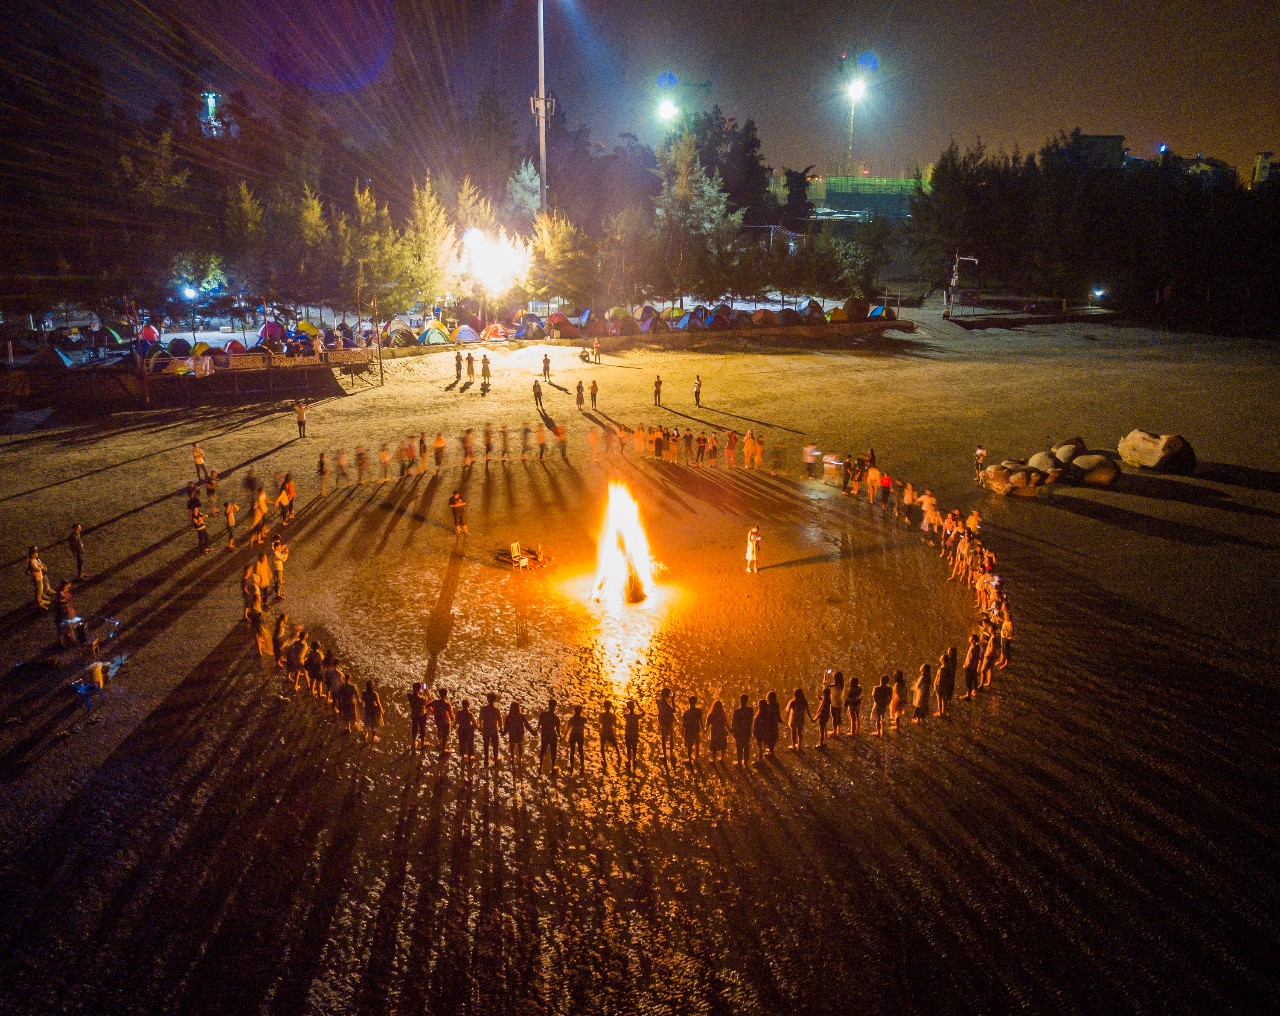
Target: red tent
[(560, 323), (764, 317), (271, 330), (494, 333), (234, 346), (719, 322)]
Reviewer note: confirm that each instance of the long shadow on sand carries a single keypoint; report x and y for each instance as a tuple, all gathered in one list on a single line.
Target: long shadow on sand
[(1148, 525)]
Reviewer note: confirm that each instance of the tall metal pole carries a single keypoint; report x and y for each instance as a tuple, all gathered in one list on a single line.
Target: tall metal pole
[(853, 105), (542, 109)]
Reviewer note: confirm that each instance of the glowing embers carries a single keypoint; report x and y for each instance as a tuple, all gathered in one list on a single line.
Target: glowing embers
[(625, 568)]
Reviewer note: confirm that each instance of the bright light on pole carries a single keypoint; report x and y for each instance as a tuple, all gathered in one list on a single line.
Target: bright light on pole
[(857, 89), (190, 293), (667, 110)]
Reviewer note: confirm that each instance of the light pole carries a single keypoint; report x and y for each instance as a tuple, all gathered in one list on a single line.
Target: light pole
[(857, 89), (190, 293), (542, 108)]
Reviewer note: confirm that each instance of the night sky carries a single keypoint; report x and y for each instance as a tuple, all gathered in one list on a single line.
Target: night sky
[(1200, 76)]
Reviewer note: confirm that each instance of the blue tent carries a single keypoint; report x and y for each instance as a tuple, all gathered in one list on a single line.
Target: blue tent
[(883, 312), (690, 322), (465, 333), (653, 323)]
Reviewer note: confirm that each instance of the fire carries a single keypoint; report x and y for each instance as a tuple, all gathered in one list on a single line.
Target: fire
[(625, 570)]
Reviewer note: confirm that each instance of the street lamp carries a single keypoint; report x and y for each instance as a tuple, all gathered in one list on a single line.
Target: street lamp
[(542, 107), (190, 293), (667, 110), (857, 89)]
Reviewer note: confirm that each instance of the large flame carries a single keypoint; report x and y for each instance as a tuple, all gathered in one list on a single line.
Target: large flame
[(625, 568)]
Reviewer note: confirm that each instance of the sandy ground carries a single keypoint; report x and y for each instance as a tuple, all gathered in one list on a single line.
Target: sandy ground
[(1096, 834)]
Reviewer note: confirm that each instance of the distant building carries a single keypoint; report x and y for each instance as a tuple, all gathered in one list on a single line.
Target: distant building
[(1264, 169)]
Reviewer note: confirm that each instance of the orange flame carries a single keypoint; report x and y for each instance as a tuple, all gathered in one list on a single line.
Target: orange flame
[(625, 568)]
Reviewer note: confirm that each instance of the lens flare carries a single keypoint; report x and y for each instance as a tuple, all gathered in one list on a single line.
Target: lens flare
[(625, 568), (496, 263)]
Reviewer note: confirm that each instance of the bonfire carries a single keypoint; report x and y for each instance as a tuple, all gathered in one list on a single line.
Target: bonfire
[(625, 570)]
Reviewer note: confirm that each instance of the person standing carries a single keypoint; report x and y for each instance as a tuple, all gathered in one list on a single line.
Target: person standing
[(946, 684), (471, 367), (39, 575), (853, 700), (384, 459), (922, 694), (466, 720), (197, 453), (824, 716), (595, 352), (667, 725), (322, 467), (516, 725), (657, 390), (485, 374), (595, 389), (609, 738), (537, 394), (731, 449), (880, 698), (760, 730), (749, 450), (279, 555), (753, 550), (691, 727), (362, 464), (417, 717), (442, 714), (972, 660), (697, 390), (458, 506), (75, 541), (810, 454), (345, 699), (979, 461), (371, 704), (457, 364), (797, 713), (577, 739), (579, 396), (548, 737), (631, 717), (837, 702), (300, 411), (490, 724), (743, 718), (718, 725), (211, 491), (200, 523), (546, 367), (898, 700)]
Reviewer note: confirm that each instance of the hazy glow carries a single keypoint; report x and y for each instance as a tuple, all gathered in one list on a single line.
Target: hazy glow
[(625, 567), (188, 292), (495, 263), (667, 110), (857, 89)]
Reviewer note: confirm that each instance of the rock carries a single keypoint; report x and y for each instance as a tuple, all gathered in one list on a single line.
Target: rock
[(1019, 479), (996, 478), (1167, 453), (1013, 464), (1064, 453), (1096, 470), (1043, 461)]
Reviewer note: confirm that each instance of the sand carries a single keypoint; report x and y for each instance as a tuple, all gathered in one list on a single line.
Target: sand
[(1090, 835)]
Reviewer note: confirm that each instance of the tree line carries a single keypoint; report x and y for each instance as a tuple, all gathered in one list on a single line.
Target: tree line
[(1159, 240), (98, 207)]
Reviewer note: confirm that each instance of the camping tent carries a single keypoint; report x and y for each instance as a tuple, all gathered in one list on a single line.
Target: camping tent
[(625, 326), (582, 319), (654, 324), (531, 332), (494, 333), (857, 308), (690, 322), (306, 328), (201, 349), (645, 312), (722, 308), (619, 312), (812, 313), (836, 315), (271, 330), (789, 317), (464, 333), (719, 323), (402, 336), (764, 317), (475, 324), (234, 346), (179, 347), (700, 312), (741, 319), (435, 334), (883, 312), (673, 313), (557, 322)]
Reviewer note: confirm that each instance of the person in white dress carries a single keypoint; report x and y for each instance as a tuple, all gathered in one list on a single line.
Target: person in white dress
[(753, 549)]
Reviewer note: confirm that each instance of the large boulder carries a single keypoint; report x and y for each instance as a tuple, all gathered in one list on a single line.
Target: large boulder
[(1064, 453), (1043, 461), (996, 478), (1096, 470), (1166, 453)]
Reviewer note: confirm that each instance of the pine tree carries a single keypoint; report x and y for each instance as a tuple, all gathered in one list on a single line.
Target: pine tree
[(523, 197), (564, 265), (431, 243)]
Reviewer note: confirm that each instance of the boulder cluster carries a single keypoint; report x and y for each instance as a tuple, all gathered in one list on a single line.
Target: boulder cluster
[(1072, 462)]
